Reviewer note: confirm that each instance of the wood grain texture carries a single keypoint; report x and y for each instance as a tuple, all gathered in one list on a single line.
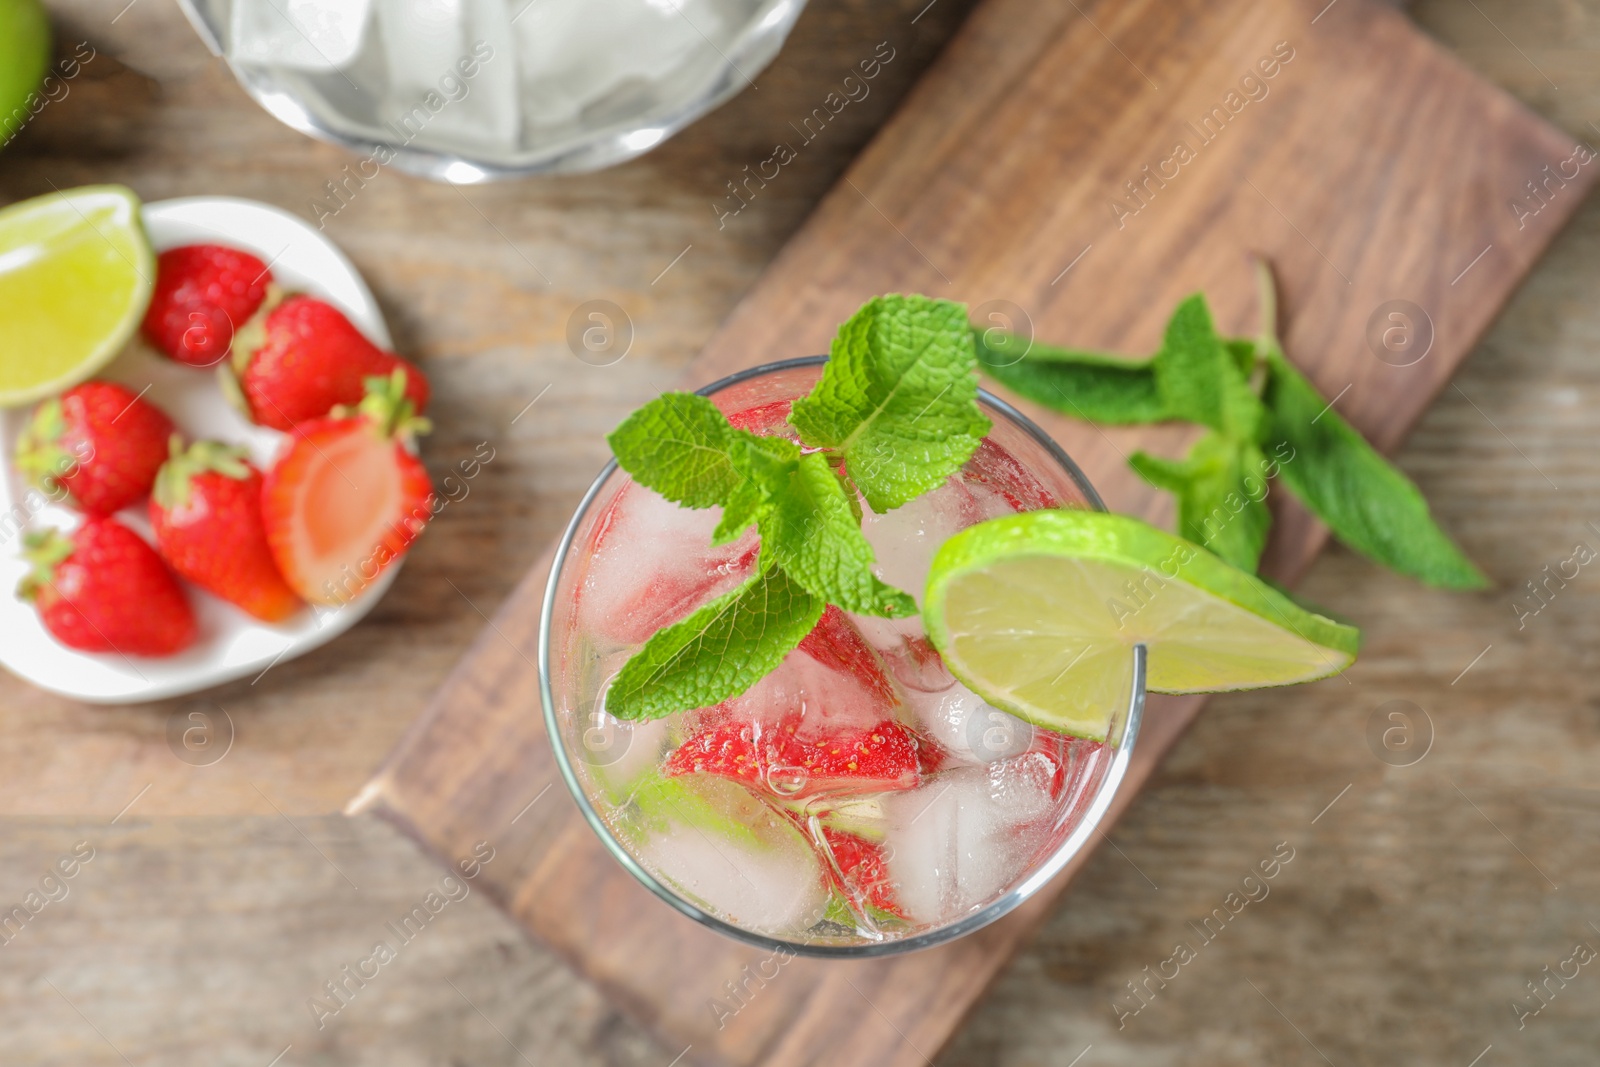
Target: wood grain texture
[(1375, 168), (1400, 933)]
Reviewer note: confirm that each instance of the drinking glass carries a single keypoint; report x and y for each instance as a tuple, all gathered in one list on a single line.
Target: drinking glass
[(588, 744)]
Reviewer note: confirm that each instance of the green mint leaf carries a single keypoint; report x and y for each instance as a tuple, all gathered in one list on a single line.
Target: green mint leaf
[(836, 462), (899, 397), (1086, 385), (745, 506), (678, 444), (1366, 502), (719, 651), (1199, 377), (763, 465), (1221, 487), (815, 536), (1244, 353)]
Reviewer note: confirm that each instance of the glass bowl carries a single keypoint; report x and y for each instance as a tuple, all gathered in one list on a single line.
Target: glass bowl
[(484, 90)]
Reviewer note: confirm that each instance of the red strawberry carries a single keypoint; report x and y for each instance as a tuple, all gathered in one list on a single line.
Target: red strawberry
[(877, 758), (860, 870), (203, 294), (105, 590), (347, 496), (302, 358), (100, 442), (206, 514)]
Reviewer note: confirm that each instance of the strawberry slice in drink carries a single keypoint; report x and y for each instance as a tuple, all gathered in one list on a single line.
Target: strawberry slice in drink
[(765, 419), (833, 683), (652, 562), (859, 869), (823, 722), (998, 470), (835, 643), (782, 760), (1071, 765), (913, 660)]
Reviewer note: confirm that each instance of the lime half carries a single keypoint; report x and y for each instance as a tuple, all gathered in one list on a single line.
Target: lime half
[(75, 277), (1038, 614)]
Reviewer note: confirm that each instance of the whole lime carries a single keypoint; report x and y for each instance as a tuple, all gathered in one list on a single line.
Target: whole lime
[(24, 58)]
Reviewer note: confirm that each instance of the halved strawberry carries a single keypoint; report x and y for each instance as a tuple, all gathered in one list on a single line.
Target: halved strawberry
[(206, 515), (203, 295), (780, 760), (102, 589), (100, 442), (300, 358), (347, 495)]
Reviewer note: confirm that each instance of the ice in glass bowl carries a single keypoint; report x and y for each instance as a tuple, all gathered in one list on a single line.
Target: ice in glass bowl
[(470, 90)]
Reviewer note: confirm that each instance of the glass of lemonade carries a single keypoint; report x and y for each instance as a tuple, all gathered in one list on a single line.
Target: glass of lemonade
[(858, 800)]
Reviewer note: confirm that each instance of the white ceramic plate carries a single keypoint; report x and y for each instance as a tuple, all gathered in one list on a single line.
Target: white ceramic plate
[(232, 644)]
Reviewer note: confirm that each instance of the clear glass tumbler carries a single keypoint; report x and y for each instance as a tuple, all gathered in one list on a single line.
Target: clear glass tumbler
[(990, 810)]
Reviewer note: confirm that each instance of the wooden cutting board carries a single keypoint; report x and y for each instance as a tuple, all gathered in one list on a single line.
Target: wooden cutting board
[(1039, 164)]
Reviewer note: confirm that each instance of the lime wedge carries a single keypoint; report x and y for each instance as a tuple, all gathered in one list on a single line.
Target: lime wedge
[(1038, 614), (24, 59), (75, 277)]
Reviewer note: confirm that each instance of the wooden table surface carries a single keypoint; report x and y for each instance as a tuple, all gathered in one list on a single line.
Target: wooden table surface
[(1421, 897)]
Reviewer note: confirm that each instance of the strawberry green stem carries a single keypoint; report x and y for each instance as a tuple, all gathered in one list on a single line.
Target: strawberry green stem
[(388, 408), (183, 465), (44, 551), (41, 456), (253, 334)]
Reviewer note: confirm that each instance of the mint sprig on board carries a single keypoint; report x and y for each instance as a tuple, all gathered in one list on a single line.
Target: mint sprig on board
[(894, 415), (1264, 421)]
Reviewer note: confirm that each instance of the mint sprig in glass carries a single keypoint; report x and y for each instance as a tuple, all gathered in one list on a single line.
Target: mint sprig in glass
[(894, 415)]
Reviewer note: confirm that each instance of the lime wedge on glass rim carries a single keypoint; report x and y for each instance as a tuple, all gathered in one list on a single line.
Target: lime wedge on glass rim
[(1038, 613), (75, 276)]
